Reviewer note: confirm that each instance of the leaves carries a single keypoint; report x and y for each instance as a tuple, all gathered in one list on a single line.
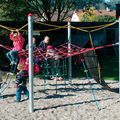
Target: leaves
[(45, 10), (90, 16), (105, 18), (49, 10), (13, 10)]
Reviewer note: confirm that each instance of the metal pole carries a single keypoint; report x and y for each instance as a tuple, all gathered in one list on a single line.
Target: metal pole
[(69, 52), (30, 43), (119, 57)]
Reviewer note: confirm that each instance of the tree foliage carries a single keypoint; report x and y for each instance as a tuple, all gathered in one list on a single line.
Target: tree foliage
[(13, 10), (80, 4), (104, 18), (47, 10), (89, 15)]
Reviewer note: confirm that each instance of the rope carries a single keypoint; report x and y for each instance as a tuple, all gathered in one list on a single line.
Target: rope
[(61, 50), (59, 27), (6, 47), (52, 29), (97, 26), (90, 36), (51, 25), (103, 27), (47, 29), (23, 27), (79, 29), (91, 88), (99, 73), (7, 28), (10, 28)]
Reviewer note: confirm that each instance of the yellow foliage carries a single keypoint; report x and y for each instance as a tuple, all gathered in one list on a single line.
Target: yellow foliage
[(88, 15)]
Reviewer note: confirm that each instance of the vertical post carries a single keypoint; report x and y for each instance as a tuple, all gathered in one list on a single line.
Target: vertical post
[(30, 43), (69, 52), (119, 57)]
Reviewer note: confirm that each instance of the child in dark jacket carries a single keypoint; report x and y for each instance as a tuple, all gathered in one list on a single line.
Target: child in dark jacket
[(21, 80), (44, 43)]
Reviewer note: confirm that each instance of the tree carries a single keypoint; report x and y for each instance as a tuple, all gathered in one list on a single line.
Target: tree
[(44, 9), (80, 4), (13, 10), (47, 9), (89, 15), (105, 18)]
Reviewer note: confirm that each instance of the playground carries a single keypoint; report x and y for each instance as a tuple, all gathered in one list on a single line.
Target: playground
[(92, 96), (73, 103)]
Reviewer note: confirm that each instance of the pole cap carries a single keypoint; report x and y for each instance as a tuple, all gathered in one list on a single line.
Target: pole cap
[(30, 14)]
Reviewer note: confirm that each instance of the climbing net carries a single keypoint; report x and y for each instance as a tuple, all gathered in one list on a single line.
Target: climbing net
[(65, 52)]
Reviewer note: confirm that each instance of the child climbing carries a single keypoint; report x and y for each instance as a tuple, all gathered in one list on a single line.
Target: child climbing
[(36, 67), (21, 80), (34, 44), (44, 43), (53, 60), (18, 42)]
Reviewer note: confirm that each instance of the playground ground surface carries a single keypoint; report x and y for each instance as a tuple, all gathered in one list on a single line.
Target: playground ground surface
[(71, 102)]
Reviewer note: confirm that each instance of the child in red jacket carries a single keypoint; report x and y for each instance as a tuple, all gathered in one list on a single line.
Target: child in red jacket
[(18, 42)]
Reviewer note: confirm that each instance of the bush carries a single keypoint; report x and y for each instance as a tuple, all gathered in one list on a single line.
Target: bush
[(98, 18), (89, 15), (105, 18)]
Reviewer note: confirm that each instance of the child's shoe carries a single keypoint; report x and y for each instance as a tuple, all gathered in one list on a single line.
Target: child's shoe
[(60, 78), (13, 62)]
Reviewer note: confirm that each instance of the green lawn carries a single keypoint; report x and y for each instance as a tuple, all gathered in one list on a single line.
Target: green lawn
[(109, 67)]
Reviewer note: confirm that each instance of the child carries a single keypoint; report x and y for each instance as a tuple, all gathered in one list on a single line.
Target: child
[(43, 44), (53, 59), (36, 58), (36, 67), (18, 42), (34, 44), (21, 80)]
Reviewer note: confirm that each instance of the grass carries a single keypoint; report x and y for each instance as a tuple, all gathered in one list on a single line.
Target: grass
[(109, 67)]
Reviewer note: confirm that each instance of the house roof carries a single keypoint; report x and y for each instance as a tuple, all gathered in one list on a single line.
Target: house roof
[(99, 12), (105, 12), (79, 12)]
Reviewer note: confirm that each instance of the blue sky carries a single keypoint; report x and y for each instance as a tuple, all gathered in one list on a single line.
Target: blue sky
[(107, 0)]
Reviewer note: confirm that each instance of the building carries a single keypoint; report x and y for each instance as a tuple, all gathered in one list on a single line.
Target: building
[(76, 16)]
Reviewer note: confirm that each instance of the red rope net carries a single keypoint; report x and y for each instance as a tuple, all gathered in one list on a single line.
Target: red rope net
[(62, 50)]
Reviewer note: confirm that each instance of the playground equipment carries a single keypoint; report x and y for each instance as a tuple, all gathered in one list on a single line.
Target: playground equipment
[(67, 51), (56, 70), (6, 83)]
